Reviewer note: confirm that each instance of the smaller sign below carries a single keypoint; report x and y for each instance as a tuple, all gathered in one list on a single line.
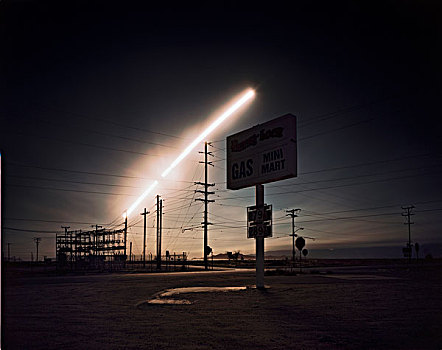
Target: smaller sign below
[(259, 221), (260, 230)]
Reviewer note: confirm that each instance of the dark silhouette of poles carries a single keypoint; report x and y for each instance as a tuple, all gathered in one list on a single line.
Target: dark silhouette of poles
[(9, 251), (125, 239), (206, 223), (144, 213), (259, 241), (416, 247), (159, 229), (408, 214), (37, 242), (293, 214)]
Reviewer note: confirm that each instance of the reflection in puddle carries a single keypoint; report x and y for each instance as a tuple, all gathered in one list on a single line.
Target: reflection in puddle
[(174, 291), (161, 298), (169, 301)]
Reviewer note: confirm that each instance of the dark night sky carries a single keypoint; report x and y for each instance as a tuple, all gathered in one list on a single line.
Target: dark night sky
[(363, 78)]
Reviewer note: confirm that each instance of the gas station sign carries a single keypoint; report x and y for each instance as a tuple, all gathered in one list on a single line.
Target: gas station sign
[(264, 153)]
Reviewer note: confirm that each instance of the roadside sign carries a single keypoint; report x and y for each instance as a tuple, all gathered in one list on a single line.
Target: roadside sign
[(300, 243), (259, 221), (264, 153), (260, 230)]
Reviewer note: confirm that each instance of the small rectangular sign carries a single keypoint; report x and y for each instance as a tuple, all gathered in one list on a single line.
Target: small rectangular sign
[(259, 221), (258, 215), (260, 230), (264, 153)]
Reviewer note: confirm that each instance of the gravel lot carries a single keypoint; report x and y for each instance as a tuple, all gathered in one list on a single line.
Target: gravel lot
[(380, 307)]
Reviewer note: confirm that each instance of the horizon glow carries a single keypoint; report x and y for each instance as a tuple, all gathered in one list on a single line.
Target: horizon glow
[(232, 109)]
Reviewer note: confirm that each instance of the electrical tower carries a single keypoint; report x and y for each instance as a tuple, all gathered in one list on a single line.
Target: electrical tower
[(96, 239), (206, 201), (37, 242), (65, 230), (408, 214)]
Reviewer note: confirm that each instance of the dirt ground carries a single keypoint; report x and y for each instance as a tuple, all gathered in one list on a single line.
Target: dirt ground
[(370, 308)]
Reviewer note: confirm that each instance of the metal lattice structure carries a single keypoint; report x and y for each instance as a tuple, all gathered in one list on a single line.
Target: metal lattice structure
[(86, 250)]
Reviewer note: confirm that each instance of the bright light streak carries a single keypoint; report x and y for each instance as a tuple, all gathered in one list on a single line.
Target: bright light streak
[(248, 95), (232, 109), (140, 198)]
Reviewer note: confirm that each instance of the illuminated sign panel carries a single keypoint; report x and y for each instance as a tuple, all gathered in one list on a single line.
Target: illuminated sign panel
[(264, 153)]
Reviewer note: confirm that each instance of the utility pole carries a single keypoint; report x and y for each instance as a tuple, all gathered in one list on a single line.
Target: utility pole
[(125, 238), (159, 229), (206, 193), (408, 214), (259, 241), (130, 252), (9, 251), (293, 214), (144, 213), (37, 242)]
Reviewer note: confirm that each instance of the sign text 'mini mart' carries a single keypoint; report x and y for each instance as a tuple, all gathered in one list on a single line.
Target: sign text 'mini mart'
[(264, 153)]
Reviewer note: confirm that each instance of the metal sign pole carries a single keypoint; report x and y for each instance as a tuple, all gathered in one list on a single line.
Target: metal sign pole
[(259, 242)]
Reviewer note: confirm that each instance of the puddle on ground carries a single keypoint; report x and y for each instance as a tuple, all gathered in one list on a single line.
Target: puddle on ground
[(168, 301), (163, 298), (185, 290)]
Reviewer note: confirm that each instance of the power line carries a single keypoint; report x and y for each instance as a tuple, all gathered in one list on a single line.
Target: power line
[(53, 221), (361, 165), (86, 172), (348, 177), (110, 122), (68, 181), (94, 131), (92, 183), (336, 186), (79, 143), (70, 190)]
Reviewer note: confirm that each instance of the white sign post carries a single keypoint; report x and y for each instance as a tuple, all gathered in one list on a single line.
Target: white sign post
[(262, 154)]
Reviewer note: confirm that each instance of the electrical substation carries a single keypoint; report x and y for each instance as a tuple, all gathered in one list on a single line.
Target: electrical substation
[(96, 249)]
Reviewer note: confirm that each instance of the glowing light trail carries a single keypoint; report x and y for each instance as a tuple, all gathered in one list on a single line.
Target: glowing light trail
[(247, 96), (140, 198), (232, 109)]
